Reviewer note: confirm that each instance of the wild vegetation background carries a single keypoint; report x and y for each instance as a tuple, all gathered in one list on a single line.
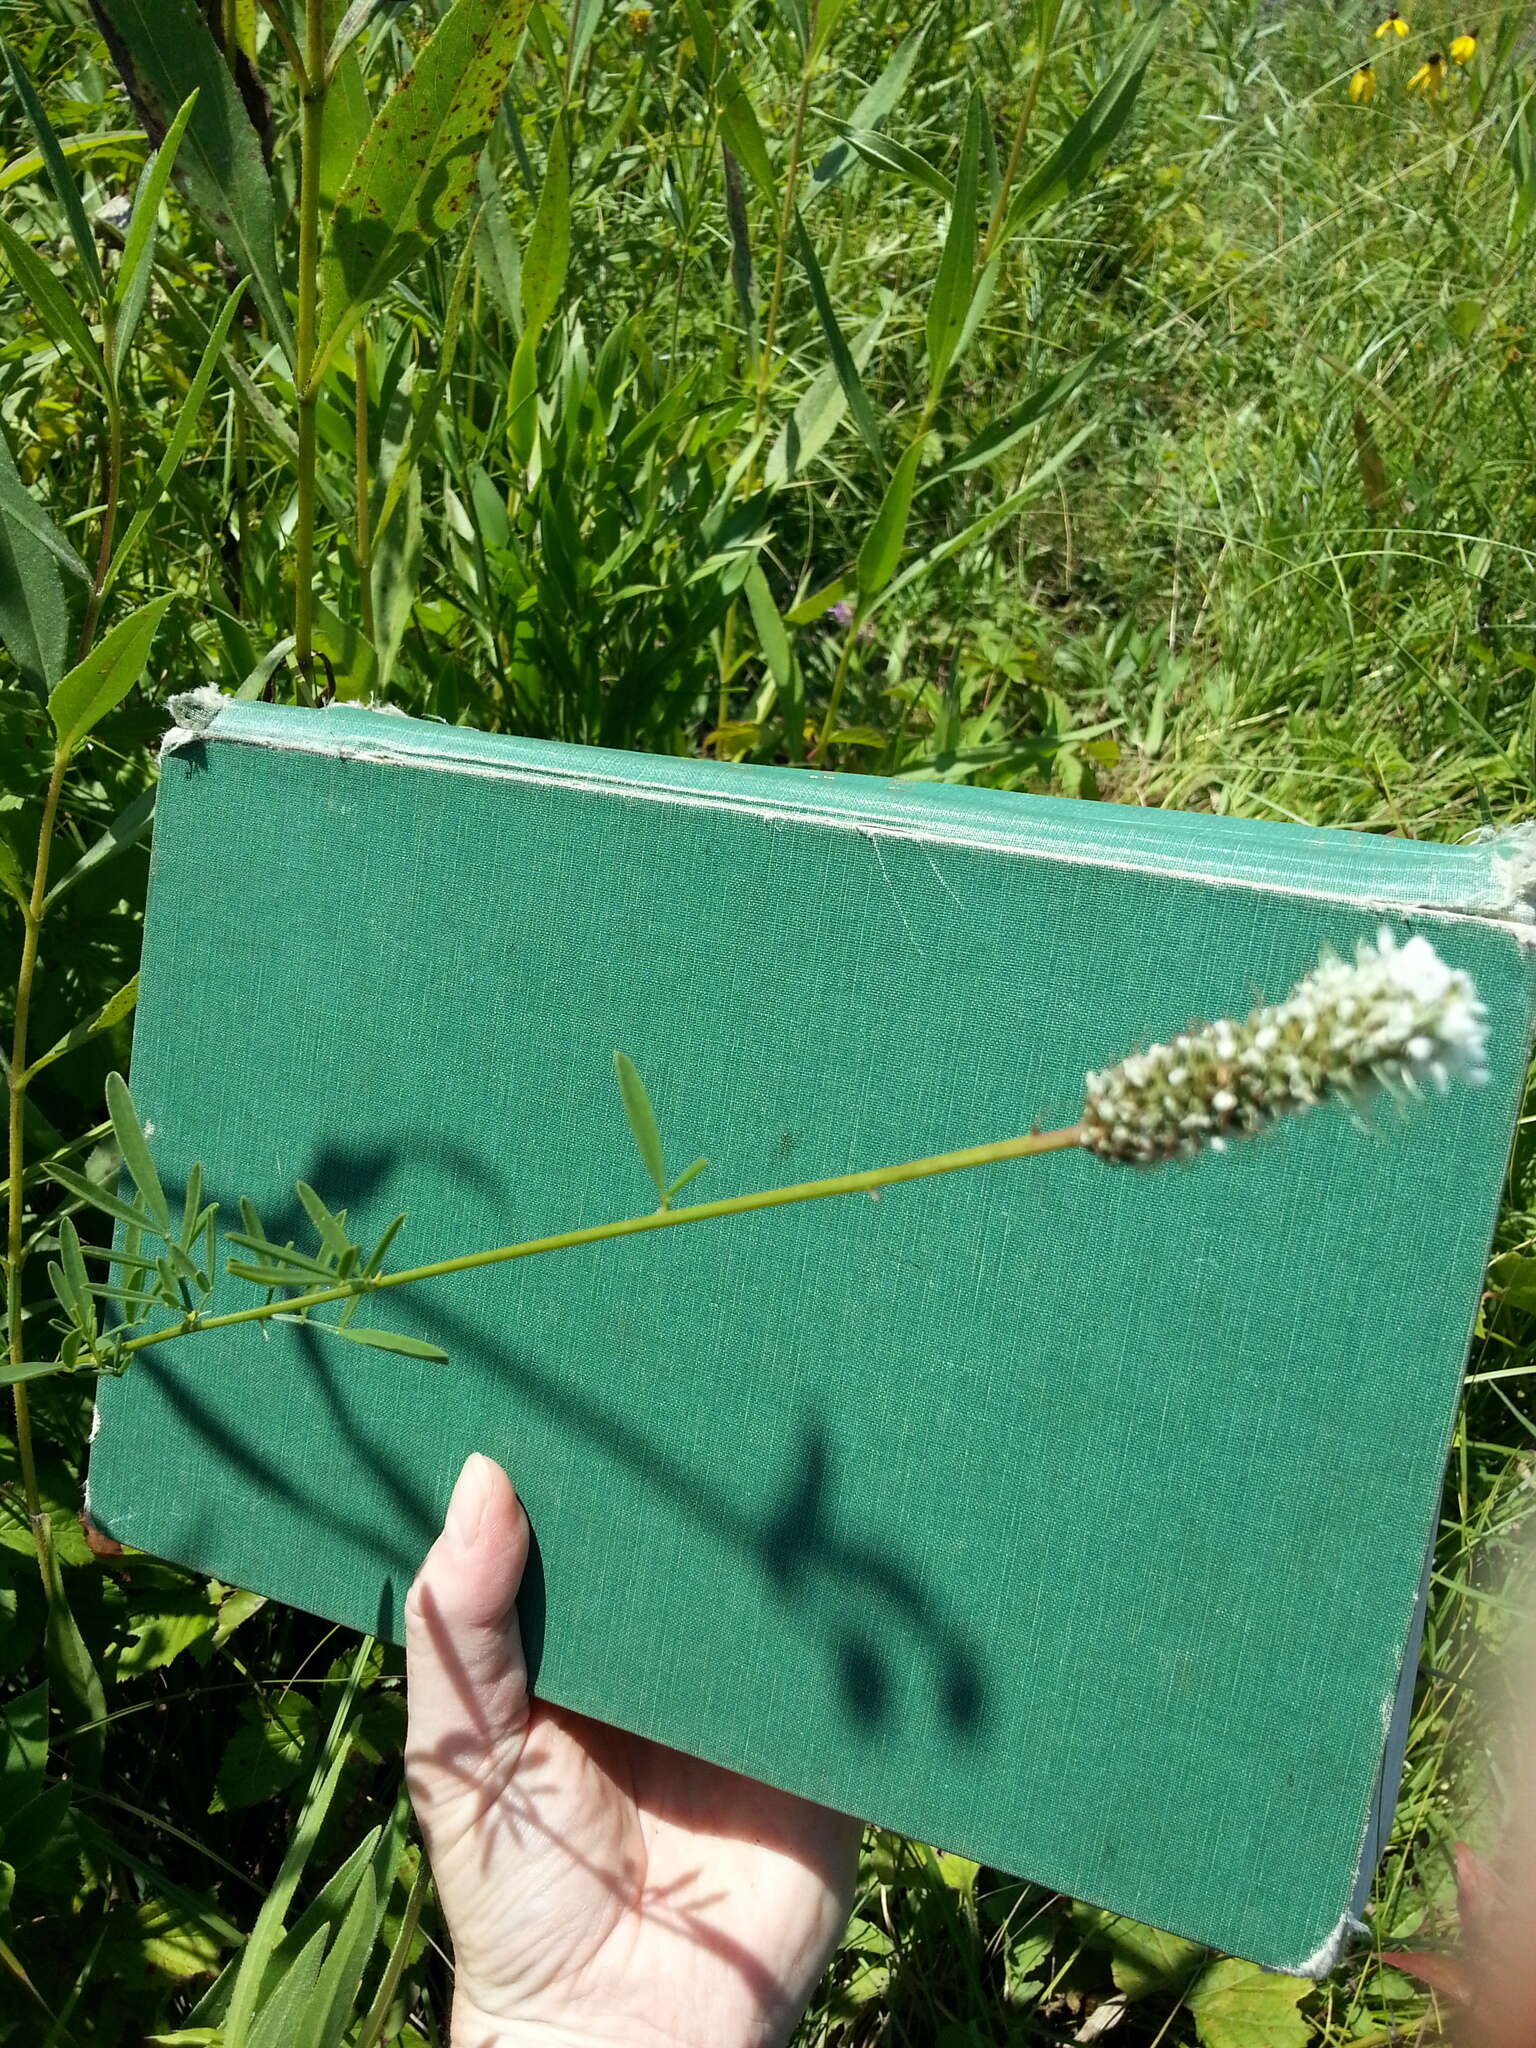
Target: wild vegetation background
[(1066, 396)]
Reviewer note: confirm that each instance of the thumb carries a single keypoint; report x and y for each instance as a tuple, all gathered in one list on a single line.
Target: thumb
[(467, 1683)]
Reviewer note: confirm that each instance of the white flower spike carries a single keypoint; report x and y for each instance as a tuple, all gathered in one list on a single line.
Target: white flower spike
[(1395, 1018)]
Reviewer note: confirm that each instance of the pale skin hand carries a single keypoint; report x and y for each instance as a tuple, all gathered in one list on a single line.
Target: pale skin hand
[(599, 1888)]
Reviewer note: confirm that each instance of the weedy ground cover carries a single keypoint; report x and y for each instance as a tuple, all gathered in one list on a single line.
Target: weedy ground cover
[(1063, 397)]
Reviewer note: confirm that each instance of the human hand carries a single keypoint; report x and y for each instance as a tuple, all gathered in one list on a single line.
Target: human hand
[(599, 1888)]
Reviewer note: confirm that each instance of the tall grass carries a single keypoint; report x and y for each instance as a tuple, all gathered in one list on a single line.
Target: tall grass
[(1253, 532)]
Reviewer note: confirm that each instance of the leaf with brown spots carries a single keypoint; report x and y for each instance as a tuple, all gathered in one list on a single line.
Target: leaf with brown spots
[(413, 176)]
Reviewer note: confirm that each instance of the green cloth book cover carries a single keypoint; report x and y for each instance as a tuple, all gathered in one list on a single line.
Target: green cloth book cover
[(1070, 1516)]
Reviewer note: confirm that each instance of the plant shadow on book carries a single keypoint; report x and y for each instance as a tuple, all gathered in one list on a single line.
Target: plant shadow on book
[(845, 1592)]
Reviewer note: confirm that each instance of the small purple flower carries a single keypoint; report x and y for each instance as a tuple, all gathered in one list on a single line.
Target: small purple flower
[(842, 612)]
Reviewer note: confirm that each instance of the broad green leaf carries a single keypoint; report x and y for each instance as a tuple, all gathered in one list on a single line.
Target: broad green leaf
[(94, 686), (131, 288), (642, 1121), (1143, 1959), (877, 104), (23, 1750), (951, 294), (165, 1620), (888, 532), (134, 1148), (388, 1340), (266, 1753), (415, 172), (837, 348), (53, 306), (1004, 433), (11, 879), (34, 620), (178, 1937), (1080, 151), (347, 115), (165, 53), (1238, 2005), (181, 433), (112, 1011), (1513, 1276), (549, 240), (394, 570), (60, 176)]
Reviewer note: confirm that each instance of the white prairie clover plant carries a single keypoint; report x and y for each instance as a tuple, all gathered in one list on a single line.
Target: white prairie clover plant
[(1396, 1017)]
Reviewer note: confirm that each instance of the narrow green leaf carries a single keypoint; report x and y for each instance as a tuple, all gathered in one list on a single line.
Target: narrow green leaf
[(106, 675), (101, 141), (888, 532), (818, 412), (837, 348), (642, 1121), (549, 240), (112, 1011), (134, 1147), (165, 53), (877, 105), (125, 830), (131, 288), (76, 1278), (73, 1678), (386, 1340), (278, 2023), (13, 1375), (348, 29), (34, 620), (951, 293), (1080, 151), (415, 172), (891, 155), (96, 1197), (741, 133), (60, 176), (181, 434), (690, 1174), (1004, 433), (53, 306), (771, 636), (425, 414)]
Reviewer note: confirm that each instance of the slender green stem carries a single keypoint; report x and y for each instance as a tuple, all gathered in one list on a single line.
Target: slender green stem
[(839, 678), (868, 1182), (15, 1252), (362, 547), (114, 483), (786, 219), (1021, 129), (312, 133)]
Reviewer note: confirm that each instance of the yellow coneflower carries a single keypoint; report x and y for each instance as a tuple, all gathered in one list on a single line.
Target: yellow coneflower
[(1429, 77), (1393, 25), (1362, 84), (1464, 47)]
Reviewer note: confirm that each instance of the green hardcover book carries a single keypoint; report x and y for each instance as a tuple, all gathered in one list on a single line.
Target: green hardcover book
[(1070, 1516)]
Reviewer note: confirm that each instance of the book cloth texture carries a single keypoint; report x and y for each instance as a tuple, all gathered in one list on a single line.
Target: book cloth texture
[(1069, 1516)]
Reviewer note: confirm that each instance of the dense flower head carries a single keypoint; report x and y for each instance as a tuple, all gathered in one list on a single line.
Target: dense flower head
[(1396, 1017)]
